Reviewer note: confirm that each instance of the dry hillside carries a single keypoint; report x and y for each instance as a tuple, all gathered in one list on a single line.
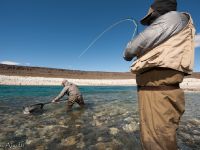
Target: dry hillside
[(13, 70)]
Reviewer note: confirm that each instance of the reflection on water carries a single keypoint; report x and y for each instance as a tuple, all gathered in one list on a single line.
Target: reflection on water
[(109, 121)]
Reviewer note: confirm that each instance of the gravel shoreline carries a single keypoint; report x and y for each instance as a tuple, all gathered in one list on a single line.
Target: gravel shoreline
[(188, 84), (27, 80)]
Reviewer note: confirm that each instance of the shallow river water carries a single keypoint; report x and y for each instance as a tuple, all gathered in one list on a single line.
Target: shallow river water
[(110, 120)]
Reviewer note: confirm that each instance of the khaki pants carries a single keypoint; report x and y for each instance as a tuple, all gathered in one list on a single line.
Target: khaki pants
[(160, 110), (75, 98)]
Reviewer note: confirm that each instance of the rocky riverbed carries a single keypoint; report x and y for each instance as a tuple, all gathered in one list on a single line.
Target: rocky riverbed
[(110, 121)]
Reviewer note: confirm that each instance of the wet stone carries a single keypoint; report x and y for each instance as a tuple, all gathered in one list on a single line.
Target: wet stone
[(96, 123), (185, 136), (133, 126), (103, 118), (129, 119), (99, 114), (196, 132), (19, 132), (80, 135), (78, 126), (122, 111), (62, 122), (114, 131), (69, 141), (99, 139), (114, 113), (116, 142), (45, 130), (9, 129), (126, 113), (11, 121), (197, 138), (195, 122), (94, 117), (100, 146), (79, 121), (40, 147), (33, 141), (80, 145)]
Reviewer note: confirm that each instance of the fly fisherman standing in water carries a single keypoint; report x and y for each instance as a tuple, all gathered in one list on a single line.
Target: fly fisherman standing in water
[(74, 95), (165, 54)]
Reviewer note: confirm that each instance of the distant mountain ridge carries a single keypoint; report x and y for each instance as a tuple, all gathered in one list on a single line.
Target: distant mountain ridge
[(13, 70)]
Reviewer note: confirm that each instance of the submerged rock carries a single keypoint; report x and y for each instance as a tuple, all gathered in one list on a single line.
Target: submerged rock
[(78, 121), (94, 117), (78, 126), (99, 139), (99, 114), (28, 142), (41, 147), (106, 145), (114, 113), (45, 130), (195, 122), (103, 118), (80, 135), (186, 136), (129, 119), (114, 131), (34, 141), (133, 126), (19, 132), (11, 121), (116, 142), (197, 138), (96, 123), (80, 145), (127, 113), (49, 127), (61, 126), (69, 141), (196, 132), (62, 122), (100, 146), (9, 129)]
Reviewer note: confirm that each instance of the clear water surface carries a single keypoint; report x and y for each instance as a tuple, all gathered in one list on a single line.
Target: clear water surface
[(109, 121)]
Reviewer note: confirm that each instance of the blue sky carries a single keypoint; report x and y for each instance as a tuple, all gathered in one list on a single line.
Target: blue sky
[(53, 33)]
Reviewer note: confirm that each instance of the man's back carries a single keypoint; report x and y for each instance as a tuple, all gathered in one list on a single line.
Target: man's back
[(72, 89), (74, 95)]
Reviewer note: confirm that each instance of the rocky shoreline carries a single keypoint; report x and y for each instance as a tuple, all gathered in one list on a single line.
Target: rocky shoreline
[(45, 81), (188, 84)]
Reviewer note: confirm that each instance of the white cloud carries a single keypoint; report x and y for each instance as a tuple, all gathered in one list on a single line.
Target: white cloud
[(27, 64), (6, 62), (197, 40)]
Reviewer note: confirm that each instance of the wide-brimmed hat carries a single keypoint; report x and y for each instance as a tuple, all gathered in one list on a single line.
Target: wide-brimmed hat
[(161, 7)]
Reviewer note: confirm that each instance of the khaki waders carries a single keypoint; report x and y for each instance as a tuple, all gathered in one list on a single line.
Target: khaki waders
[(75, 98), (161, 104)]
